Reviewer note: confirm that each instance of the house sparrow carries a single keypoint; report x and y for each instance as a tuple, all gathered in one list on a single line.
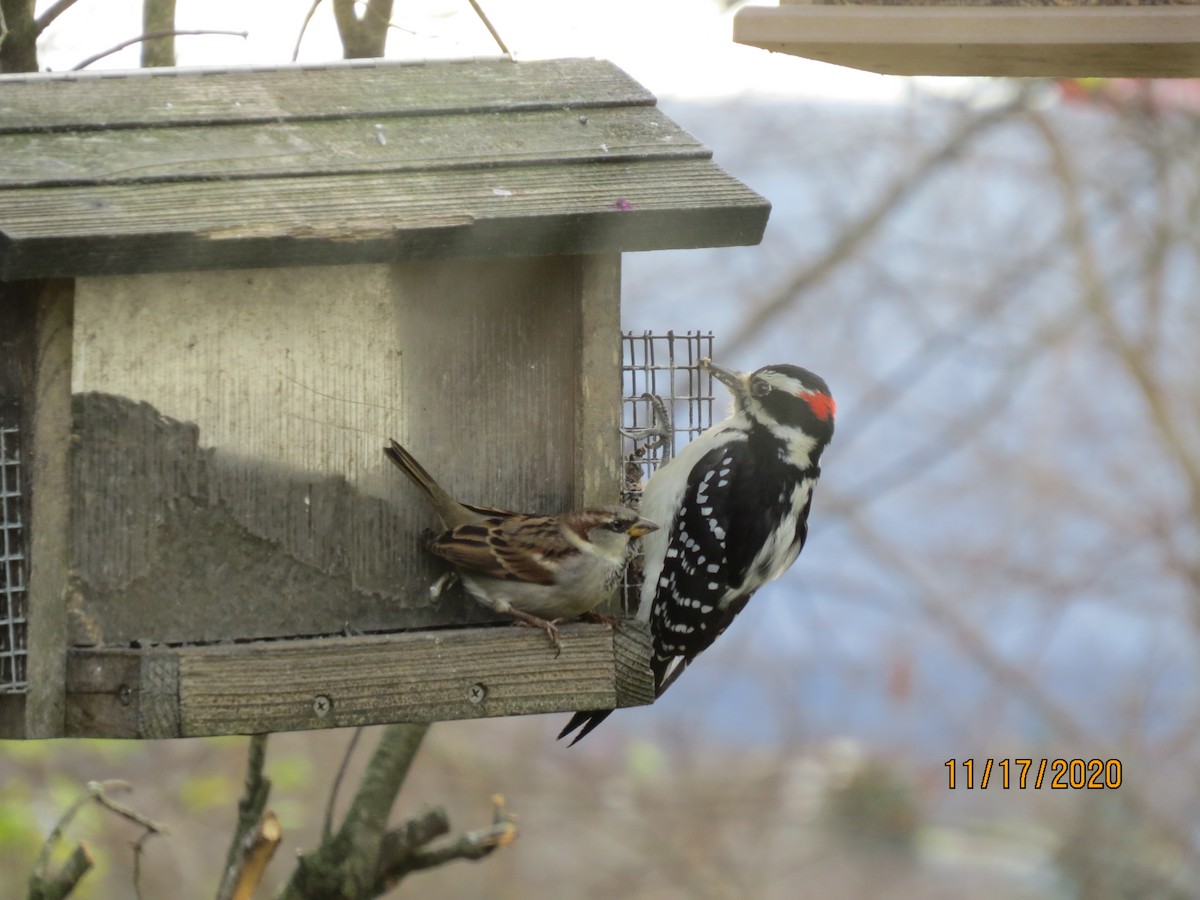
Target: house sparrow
[(538, 569)]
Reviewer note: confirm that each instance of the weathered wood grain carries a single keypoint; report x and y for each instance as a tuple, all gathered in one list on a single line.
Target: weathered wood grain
[(229, 480), (345, 146), (522, 211), (335, 682), (598, 401), (111, 100), (50, 510), (1015, 41)]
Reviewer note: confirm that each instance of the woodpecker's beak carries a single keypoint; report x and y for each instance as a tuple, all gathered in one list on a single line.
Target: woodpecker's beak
[(737, 382), (640, 527)]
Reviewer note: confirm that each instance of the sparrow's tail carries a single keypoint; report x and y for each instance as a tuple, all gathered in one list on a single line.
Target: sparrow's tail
[(451, 511)]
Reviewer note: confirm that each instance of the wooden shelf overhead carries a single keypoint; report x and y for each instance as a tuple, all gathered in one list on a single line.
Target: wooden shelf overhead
[(1062, 40)]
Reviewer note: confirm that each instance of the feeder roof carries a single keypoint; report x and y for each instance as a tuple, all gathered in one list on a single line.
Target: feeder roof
[(175, 169)]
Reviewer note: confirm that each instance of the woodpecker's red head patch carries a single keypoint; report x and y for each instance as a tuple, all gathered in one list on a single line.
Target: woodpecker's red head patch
[(823, 406)]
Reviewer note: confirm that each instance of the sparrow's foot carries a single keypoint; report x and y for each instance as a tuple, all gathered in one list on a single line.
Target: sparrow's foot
[(550, 627)]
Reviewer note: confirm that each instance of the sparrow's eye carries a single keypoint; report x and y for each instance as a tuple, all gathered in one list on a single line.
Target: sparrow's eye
[(616, 525), (759, 388)]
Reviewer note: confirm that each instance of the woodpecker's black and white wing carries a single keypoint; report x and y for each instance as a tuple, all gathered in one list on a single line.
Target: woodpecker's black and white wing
[(741, 521)]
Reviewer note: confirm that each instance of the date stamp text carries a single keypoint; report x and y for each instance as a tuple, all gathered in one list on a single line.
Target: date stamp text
[(1023, 774)]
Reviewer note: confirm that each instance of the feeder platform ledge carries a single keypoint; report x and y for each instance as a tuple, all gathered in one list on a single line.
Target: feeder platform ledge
[(1010, 41)]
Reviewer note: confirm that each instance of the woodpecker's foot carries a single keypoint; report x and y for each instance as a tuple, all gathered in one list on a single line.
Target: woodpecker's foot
[(660, 433), (550, 627), (598, 619)]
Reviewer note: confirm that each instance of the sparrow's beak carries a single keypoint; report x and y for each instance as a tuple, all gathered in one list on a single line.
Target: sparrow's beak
[(737, 382), (642, 526)]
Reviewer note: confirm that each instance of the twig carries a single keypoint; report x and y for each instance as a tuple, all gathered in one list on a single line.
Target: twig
[(255, 853), (345, 864), (250, 813), (857, 233), (304, 27), (413, 834), (77, 865), (43, 888), (99, 794), (137, 863), (150, 36), (327, 827), (404, 855), (491, 29), (53, 12)]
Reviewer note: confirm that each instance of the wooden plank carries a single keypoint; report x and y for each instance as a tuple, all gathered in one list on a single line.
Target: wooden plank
[(49, 522), (229, 475), (335, 682), (103, 692), (110, 100), (598, 407), (1018, 41), (532, 210), (12, 716), (350, 146)]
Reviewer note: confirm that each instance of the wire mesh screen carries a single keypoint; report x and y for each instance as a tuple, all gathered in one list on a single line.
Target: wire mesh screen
[(662, 379), (12, 565), (666, 367)]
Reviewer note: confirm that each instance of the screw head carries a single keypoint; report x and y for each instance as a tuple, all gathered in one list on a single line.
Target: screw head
[(322, 705), (124, 695), (477, 693)]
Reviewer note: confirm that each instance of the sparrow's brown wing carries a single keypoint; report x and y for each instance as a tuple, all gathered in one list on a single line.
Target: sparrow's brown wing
[(515, 548)]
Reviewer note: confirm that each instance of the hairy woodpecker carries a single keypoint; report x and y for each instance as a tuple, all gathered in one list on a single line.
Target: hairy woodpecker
[(733, 505)]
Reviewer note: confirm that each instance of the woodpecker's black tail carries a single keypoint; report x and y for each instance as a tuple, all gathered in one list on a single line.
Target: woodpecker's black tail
[(586, 721)]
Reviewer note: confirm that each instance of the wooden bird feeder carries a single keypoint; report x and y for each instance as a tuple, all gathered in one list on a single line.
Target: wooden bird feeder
[(221, 291), (1042, 38)]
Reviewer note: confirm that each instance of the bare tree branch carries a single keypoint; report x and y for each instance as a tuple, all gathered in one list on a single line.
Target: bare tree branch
[(158, 17), (327, 826), (63, 882), (344, 865), (251, 806), (154, 35), (472, 845), (363, 37), (304, 27), (52, 12), (254, 853), (18, 37), (491, 28), (1099, 301), (852, 238), (45, 887)]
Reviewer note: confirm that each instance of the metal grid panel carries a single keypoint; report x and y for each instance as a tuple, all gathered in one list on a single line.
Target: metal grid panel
[(667, 367), (12, 565)]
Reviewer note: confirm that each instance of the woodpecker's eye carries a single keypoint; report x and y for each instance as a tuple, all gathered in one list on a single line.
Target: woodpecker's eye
[(760, 388)]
